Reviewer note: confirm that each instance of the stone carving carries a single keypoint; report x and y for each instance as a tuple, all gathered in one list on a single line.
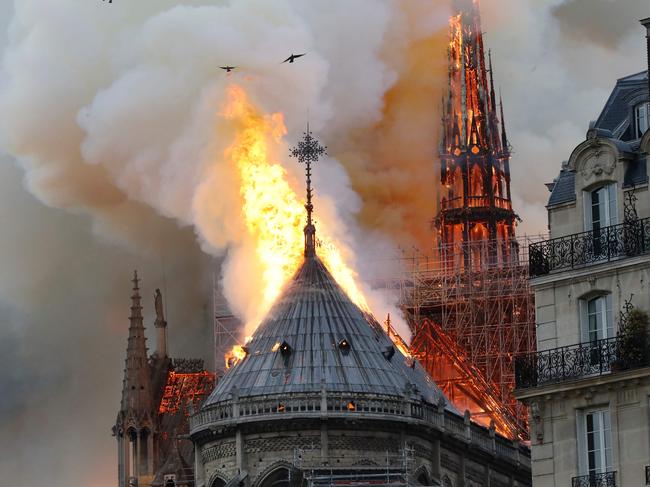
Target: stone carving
[(537, 412), (158, 304), (188, 365), (224, 450), (598, 164)]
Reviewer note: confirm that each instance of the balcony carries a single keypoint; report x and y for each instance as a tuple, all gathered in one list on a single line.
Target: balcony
[(582, 249), (605, 479), (582, 361), (475, 202)]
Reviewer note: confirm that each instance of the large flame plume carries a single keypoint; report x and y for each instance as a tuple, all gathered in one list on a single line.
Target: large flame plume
[(273, 213)]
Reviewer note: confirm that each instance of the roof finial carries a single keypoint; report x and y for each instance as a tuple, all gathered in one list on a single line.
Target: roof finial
[(504, 136), (493, 102), (309, 151), (136, 281)]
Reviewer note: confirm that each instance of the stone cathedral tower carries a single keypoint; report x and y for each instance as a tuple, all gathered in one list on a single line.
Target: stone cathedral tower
[(135, 422), (476, 206), (158, 395)]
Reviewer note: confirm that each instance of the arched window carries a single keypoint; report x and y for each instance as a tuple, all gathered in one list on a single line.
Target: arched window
[(422, 477), (600, 212), (476, 188), (642, 119), (277, 478), (218, 482)]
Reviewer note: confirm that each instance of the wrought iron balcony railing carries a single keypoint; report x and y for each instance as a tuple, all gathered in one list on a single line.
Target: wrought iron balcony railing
[(605, 479), (580, 249), (583, 360)]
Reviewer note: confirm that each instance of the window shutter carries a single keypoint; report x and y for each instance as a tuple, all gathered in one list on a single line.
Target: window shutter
[(583, 321), (609, 317), (586, 209), (607, 440), (581, 443), (612, 204)]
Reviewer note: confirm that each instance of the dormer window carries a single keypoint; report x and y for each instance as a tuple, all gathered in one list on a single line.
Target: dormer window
[(642, 118)]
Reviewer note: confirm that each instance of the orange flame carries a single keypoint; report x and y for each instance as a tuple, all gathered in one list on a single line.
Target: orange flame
[(237, 354), (273, 214)]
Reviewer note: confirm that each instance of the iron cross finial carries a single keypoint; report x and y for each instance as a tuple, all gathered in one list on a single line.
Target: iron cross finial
[(308, 151)]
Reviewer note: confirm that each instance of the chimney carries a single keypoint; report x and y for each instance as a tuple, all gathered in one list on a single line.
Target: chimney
[(646, 24)]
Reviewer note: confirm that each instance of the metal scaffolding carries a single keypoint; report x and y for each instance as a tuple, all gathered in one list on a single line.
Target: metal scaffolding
[(227, 327), (393, 469), (469, 325)]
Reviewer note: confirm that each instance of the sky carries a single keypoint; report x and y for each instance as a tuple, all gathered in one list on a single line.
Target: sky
[(103, 113)]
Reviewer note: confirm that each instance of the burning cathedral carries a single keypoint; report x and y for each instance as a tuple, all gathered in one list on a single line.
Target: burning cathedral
[(322, 394)]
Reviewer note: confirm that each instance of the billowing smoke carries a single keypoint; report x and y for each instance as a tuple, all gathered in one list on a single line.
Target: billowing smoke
[(129, 119), (112, 113)]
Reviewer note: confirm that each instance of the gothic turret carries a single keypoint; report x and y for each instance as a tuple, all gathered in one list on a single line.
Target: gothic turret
[(136, 390), (134, 427), (476, 205)]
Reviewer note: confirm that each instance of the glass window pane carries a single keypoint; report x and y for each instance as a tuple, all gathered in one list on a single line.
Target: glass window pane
[(595, 210), (598, 445), (612, 216)]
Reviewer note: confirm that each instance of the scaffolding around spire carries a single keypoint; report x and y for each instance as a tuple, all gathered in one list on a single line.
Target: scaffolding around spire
[(309, 151)]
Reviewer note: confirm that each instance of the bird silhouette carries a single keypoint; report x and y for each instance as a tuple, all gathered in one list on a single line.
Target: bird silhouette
[(292, 58), (228, 69)]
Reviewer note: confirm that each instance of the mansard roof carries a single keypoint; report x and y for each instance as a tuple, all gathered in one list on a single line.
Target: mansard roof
[(315, 338), (615, 126), (618, 113)]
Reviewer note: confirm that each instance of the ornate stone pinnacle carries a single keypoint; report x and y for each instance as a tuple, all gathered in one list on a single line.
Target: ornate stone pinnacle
[(307, 152), (135, 281)]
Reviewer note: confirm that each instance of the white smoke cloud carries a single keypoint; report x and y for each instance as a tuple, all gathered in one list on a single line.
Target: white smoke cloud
[(112, 112)]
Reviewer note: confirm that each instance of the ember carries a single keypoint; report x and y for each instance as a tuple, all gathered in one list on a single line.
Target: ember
[(185, 392)]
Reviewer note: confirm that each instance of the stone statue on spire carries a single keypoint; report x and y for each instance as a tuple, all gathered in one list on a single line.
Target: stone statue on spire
[(307, 152), (158, 305)]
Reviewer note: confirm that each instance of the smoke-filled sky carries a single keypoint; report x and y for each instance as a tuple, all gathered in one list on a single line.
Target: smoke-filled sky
[(111, 141)]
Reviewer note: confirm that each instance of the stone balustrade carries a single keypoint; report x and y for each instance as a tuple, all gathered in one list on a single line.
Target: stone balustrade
[(368, 406)]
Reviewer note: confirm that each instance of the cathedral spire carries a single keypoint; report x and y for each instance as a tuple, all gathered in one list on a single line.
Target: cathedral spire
[(475, 194), (136, 391), (307, 152)]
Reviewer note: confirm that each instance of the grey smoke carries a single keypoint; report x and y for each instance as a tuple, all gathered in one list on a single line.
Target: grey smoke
[(83, 148)]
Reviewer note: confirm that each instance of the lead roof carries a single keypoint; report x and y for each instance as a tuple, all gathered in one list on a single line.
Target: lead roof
[(615, 123), (313, 316)]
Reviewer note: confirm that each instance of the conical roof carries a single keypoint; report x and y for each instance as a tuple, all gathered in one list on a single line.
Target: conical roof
[(316, 338)]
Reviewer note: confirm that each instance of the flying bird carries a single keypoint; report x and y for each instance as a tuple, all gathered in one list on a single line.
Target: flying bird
[(293, 57), (228, 69)]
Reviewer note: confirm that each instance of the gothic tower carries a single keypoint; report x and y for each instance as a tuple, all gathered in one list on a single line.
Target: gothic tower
[(476, 206), (134, 428)]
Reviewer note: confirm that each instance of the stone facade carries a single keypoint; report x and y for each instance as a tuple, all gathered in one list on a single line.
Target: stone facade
[(439, 448), (589, 409)]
